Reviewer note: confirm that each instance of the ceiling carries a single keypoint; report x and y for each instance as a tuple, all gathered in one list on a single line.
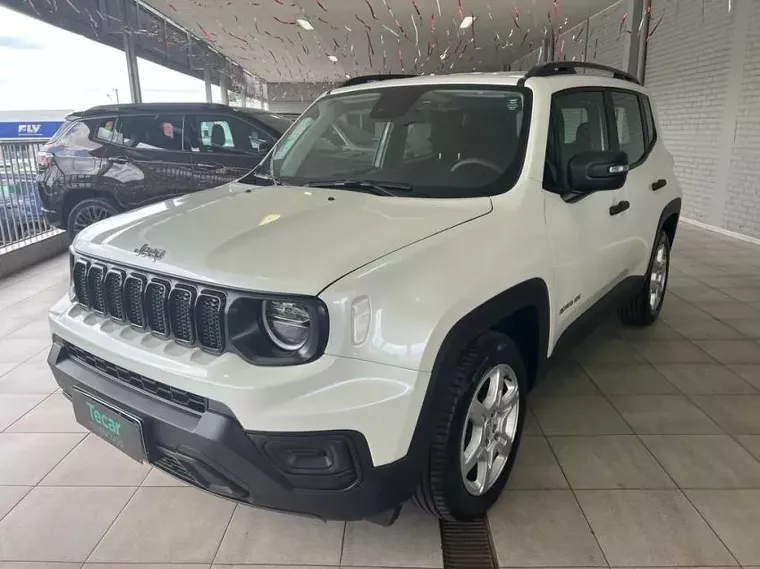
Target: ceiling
[(353, 37)]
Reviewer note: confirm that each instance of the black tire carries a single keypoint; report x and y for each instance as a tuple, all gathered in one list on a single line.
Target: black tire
[(92, 209), (638, 311), (442, 491)]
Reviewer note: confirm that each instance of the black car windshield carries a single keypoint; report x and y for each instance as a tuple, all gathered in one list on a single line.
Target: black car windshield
[(438, 141)]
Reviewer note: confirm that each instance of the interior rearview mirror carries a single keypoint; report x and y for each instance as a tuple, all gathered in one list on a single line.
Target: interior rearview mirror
[(595, 171)]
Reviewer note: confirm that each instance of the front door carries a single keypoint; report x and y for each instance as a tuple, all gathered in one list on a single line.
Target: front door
[(146, 160), (224, 148), (588, 234)]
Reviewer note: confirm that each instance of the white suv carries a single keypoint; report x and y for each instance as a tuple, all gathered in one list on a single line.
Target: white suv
[(358, 323)]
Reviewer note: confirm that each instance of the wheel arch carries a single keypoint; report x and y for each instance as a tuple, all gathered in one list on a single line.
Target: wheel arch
[(668, 223)]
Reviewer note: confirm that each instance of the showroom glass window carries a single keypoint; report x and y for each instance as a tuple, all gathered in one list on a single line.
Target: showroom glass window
[(447, 142), (629, 124)]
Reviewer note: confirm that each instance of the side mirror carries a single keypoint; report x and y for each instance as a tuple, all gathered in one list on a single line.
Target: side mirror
[(595, 171)]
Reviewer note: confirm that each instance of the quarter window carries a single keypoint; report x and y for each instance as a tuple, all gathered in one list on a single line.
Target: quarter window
[(630, 125), (225, 135)]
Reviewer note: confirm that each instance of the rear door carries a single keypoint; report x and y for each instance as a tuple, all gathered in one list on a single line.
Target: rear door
[(146, 162), (224, 148)]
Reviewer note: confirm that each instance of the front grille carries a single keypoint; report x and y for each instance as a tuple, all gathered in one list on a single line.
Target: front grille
[(190, 314), (177, 396)]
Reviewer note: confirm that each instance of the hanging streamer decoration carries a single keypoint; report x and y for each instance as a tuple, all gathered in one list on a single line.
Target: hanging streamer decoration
[(516, 18)]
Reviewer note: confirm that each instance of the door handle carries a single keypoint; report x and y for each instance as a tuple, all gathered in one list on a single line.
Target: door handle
[(119, 159), (619, 207), (209, 167), (659, 184)]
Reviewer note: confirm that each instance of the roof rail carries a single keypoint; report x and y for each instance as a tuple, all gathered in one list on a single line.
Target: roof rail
[(362, 79), (570, 67)]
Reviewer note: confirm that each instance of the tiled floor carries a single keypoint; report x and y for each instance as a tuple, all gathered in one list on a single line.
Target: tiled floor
[(643, 450)]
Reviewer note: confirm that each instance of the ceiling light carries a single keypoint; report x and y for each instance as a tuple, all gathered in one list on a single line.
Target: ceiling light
[(467, 22), (305, 24), (332, 58)]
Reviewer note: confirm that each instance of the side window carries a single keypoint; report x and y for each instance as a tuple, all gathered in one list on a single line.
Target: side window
[(630, 125), (104, 129), (651, 135), (150, 132), (226, 135), (577, 124)]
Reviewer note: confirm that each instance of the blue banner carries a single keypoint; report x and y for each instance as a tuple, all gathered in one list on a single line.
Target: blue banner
[(28, 130)]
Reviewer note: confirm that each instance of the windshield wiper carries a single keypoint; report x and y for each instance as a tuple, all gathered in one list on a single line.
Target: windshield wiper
[(377, 188)]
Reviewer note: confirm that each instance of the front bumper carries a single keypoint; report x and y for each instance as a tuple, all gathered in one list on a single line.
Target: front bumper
[(328, 474)]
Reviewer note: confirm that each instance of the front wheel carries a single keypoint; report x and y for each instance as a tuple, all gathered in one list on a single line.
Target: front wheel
[(478, 430), (644, 308)]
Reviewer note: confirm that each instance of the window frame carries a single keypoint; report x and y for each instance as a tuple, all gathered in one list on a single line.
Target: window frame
[(644, 128)]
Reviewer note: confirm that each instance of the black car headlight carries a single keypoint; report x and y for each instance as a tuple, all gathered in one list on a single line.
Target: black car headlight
[(278, 331)]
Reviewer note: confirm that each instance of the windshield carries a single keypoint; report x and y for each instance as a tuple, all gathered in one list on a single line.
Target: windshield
[(439, 141), (278, 122)]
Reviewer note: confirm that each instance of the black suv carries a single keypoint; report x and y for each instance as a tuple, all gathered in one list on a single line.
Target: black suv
[(112, 158)]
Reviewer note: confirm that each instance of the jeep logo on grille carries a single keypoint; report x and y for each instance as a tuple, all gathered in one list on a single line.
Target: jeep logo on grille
[(147, 251)]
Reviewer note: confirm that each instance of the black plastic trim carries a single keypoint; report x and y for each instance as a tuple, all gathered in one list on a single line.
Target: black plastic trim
[(363, 79), (570, 67)]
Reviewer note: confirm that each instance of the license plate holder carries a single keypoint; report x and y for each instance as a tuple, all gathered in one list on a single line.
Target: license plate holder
[(111, 424)]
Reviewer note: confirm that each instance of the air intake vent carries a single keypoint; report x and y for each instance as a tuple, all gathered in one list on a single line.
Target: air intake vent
[(95, 286), (156, 306), (208, 313), (134, 286), (181, 305), (80, 282), (114, 292)]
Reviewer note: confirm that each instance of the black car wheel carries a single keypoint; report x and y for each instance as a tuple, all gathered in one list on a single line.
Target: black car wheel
[(87, 212)]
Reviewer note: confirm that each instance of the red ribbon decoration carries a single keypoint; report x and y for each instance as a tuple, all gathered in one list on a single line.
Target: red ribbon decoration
[(460, 12)]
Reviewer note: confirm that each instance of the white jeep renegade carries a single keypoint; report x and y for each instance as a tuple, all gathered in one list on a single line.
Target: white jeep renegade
[(359, 321)]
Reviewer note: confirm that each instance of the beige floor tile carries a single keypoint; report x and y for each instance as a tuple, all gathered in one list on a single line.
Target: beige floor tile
[(96, 463), (675, 308), (578, 416), (10, 496), (736, 414), (746, 294), (657, 331), (705, 461), (705, 379), (703, 329), (748, 372), (166, 525), (31, 377), (59, 524), (751, 443), (728, 309), (150, 566), (616, 461), (607, 351), (413, 541), (54, 415), (749, 328), (651, 528), (732, 351), (15, 406), (535, 466), (531, 427), (542, 528), (735, 517), (671, 351), (19, 350), (38, 565), (261, 537), (640, 379), (663, 414), (699, 293), (563, 381), (159, 478), (25, 458), (218, 566)]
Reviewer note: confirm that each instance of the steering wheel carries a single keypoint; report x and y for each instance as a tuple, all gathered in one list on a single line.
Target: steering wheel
[(479, 162)]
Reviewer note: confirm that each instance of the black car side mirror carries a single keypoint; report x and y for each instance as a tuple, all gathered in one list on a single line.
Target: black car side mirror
[(595, 171)]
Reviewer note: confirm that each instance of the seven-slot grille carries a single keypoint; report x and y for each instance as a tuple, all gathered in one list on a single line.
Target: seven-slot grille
[(190, 314)]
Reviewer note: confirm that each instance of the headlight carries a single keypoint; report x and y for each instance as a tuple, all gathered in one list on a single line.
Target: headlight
[(287, 323)]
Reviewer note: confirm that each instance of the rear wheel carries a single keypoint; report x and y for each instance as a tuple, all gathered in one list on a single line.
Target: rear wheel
[(87, 212), (644, 308), (478, 430)]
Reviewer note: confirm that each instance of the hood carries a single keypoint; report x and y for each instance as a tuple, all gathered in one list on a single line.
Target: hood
[(271, 239)]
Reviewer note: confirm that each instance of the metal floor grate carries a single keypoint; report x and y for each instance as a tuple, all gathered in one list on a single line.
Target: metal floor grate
[(467, 545)]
